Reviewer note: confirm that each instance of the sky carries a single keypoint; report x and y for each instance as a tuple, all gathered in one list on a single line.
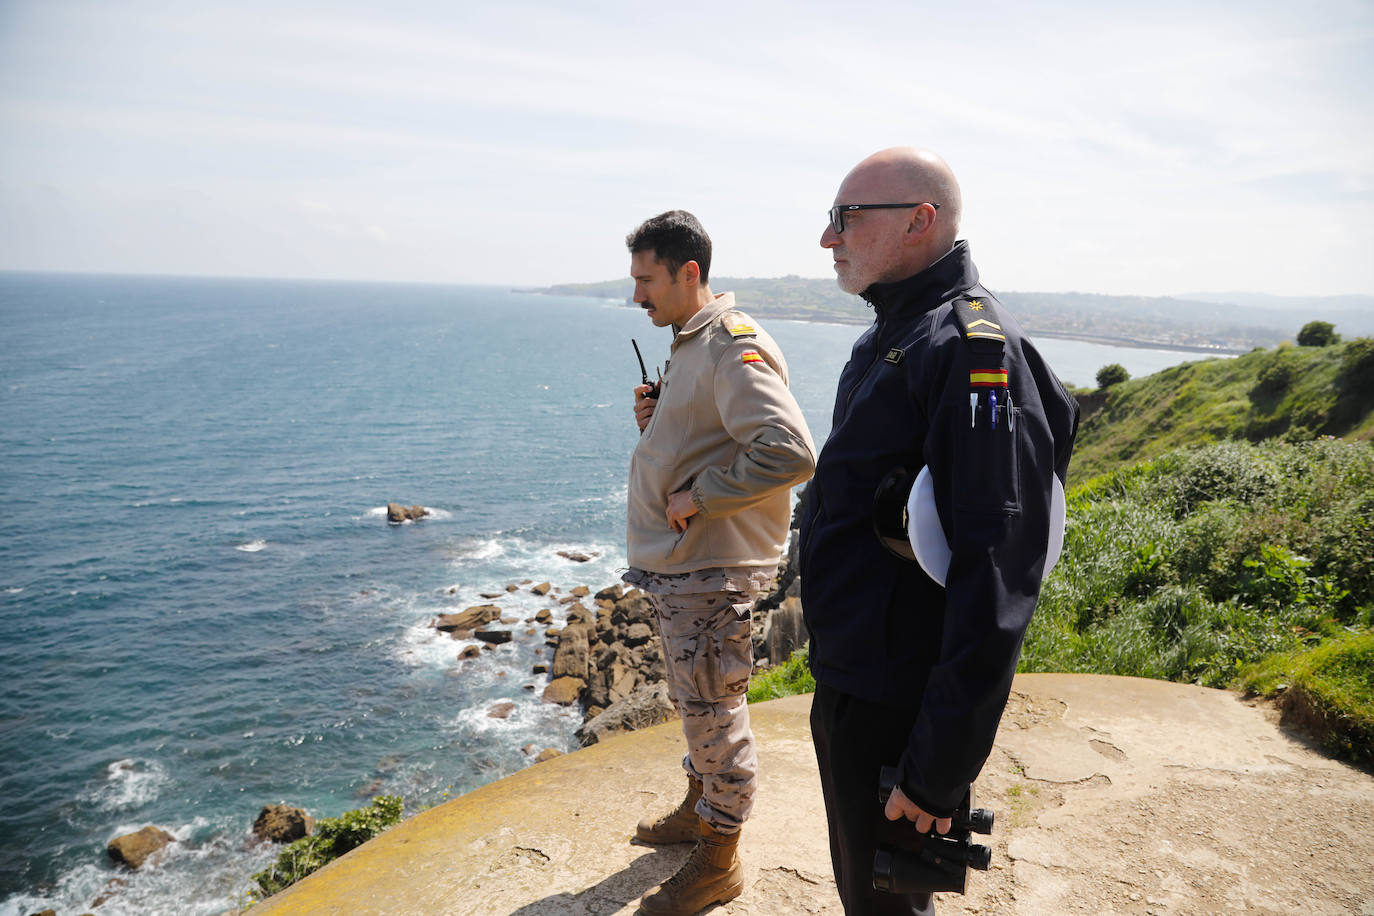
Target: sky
[(1131, 148)]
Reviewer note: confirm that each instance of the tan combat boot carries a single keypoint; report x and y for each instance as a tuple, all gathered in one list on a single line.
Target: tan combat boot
[(681, 825), (711, 875)]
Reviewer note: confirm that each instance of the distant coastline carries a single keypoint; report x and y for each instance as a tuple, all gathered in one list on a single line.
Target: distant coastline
[(849, 316)]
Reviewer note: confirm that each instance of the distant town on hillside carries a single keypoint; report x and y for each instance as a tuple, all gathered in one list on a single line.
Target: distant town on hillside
[(1210, 322)]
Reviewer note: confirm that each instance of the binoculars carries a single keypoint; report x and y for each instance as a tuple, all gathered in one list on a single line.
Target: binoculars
[(908, 862)]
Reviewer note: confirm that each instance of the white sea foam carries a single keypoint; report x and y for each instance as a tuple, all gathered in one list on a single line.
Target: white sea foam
[(128, 783), (13, 590), (252, 546), (206, 871)]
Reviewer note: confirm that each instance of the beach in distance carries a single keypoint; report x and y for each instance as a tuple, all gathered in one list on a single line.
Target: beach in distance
[(203, 608)]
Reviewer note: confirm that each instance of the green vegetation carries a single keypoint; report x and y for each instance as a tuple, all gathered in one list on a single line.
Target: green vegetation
[(791, 677), (1328, 689), (1201, 563), (1297, 393), (1112, 374), (332, 838), (1318, 334), (1192, 565)]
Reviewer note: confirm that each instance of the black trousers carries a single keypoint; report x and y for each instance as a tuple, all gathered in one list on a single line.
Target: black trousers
[(854, 740)]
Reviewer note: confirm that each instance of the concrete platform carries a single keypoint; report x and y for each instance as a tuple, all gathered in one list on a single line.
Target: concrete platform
[(1112, 795)]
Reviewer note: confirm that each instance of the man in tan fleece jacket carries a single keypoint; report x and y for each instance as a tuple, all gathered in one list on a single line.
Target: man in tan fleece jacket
[(722, 443)]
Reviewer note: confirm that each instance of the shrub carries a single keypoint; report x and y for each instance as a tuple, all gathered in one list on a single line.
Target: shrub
[(1318, 334), (1111, 374), (791, 677), (333, 837), (1274, 378), (1357, 365)]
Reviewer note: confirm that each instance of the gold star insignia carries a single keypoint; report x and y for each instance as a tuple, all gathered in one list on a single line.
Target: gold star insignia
[(975, 305)]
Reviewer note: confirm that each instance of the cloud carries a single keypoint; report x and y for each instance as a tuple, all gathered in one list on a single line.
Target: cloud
[(518, 143)]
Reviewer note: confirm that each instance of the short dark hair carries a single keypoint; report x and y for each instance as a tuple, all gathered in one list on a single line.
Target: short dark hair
[(675, 238)]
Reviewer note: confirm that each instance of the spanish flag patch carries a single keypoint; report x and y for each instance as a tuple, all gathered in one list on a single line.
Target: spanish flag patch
[(988, 378), (750, 356)]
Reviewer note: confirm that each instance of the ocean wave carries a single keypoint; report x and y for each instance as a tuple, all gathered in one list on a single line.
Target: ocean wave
[(252, 546), (128, 783), (206, 871)]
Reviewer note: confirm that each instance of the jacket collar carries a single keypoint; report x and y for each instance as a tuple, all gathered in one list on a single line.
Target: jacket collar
[(708, 313), (938, 283)]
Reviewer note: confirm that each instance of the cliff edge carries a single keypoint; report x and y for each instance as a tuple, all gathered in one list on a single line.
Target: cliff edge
[(1112, 795)]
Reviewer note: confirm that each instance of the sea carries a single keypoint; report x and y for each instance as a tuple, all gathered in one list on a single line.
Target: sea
[(203, 607)]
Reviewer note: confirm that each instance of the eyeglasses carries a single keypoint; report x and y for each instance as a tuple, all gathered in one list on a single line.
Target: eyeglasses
[(837, 213)]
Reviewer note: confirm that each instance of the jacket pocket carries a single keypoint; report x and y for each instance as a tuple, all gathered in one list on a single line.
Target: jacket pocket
[(987, 466)]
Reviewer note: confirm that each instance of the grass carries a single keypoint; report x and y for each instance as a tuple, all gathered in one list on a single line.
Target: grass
[(788, 679), (1297, 393), (1328, 691)]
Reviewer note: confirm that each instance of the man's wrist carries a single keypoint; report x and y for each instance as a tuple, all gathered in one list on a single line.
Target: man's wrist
[(698, 500)]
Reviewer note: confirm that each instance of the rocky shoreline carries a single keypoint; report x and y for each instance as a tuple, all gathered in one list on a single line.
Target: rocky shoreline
[(606, 653), (603, 653)]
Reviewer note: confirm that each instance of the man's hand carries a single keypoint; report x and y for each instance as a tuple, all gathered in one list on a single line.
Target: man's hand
[(644, 406), (898, 805), (680, 508)]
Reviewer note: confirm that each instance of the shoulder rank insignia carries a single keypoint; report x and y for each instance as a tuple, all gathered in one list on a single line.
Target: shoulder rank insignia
[(742, 330), (750, 356), (978, 320)]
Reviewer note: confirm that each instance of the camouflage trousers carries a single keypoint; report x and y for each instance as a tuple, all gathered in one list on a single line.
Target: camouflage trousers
[(708, 655)]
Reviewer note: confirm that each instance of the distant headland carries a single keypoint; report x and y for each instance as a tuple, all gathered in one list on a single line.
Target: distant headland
[(1209, 323)]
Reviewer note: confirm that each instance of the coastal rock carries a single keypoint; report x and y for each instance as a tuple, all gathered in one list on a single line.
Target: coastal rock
[(547, 753), (637, 634), (282, 824), (785, 631), (469, 652), (647, 705), (542, 588), (397, 513), (564, 690), (576, 556), (574, 648), (579, 614), (493, 637), (635, 608), (579, 591), (470, 619), (501, 710), (134, 849), (544, 616), (610, 593)]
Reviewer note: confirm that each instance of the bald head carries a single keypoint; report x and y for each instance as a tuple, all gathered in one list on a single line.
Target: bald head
[(882, 243)]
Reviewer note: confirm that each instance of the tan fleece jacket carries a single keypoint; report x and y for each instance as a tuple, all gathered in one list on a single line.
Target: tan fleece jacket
[(727, 427)]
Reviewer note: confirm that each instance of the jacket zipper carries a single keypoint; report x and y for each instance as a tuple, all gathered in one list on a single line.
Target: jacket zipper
[(877, 356)]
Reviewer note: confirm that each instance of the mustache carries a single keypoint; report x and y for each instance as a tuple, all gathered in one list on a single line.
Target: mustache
[(646, 305)]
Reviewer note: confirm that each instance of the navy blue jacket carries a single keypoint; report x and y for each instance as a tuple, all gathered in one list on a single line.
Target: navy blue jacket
[(881, 629)]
